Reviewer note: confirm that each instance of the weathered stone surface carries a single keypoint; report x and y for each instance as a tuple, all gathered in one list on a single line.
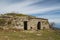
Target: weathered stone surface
[(32, 23)]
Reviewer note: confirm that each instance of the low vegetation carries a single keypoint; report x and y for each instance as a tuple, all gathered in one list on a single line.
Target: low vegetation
[(30, 35), (17, 14), (2, 22)]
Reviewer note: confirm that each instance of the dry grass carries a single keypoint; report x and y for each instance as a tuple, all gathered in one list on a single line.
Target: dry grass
[(29, 35)]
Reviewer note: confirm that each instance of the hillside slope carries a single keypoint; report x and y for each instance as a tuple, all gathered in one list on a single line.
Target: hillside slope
[(18, 14), (30, 35)]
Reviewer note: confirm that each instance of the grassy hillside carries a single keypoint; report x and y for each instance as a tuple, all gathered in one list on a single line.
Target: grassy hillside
[(17, 14), (30, 35)]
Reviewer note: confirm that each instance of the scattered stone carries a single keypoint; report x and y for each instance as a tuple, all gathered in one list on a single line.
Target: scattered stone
[(6, 36), (39, 34), (14, 31)]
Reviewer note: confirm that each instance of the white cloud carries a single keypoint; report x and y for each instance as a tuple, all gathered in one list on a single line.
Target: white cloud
[(40, 10), (16, 7), (22, 7), (54, 20)]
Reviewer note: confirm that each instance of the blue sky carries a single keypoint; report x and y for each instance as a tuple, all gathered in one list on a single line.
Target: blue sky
[(49, 9)]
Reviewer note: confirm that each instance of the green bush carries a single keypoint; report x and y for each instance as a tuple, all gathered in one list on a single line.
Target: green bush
[(2, 22)]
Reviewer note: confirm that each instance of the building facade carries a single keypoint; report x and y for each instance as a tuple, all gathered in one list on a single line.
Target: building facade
[(26, 23)]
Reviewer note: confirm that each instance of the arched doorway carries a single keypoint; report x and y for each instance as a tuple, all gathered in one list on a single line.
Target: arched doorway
[(25, 25), (39, 25)]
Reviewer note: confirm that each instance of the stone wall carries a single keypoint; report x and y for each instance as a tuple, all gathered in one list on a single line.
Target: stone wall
[(34, 22), (18, 23), (45, 24)]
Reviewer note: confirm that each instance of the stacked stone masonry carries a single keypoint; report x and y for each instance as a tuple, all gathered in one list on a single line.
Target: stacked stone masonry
[(26, 23)]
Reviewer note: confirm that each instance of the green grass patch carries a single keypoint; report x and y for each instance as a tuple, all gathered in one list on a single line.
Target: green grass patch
[(30, 35)]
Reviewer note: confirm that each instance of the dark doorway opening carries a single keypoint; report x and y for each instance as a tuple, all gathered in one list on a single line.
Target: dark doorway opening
[(25, 25), (39, 25)]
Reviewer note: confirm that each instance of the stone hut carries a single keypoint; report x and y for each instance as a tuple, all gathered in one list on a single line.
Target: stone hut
[(26, 22)]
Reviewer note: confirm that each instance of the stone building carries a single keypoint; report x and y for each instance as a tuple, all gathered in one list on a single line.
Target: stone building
[(26, 22)]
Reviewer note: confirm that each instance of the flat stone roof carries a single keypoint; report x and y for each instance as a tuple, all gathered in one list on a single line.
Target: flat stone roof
[(40, 18)]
